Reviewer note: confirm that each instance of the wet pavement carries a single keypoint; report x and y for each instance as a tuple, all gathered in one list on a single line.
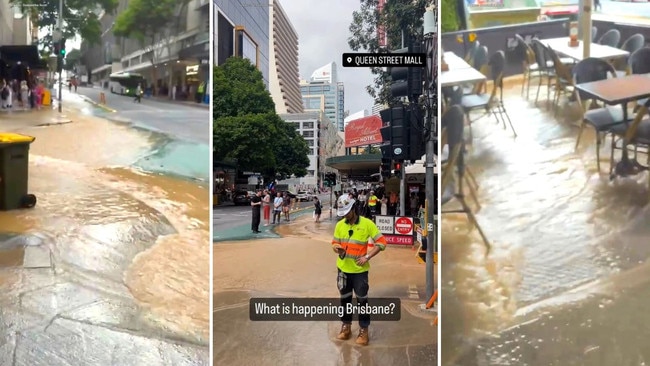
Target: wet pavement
[(302, 264), (565, 283), (112, 265)]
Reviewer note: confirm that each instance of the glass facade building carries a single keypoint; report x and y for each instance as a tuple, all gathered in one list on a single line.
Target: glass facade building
[(241, 28), (324, 84)]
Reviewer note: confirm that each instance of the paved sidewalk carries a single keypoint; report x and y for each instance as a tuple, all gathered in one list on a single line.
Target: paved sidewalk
[(301, 264), (243, 231)]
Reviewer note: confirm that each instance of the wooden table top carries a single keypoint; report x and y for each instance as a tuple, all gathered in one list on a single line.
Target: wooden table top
[(561, 45), (618, 90)]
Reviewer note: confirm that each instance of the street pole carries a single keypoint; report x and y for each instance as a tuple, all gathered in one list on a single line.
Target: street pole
[(402, 190), (59, 55), (432, 133)]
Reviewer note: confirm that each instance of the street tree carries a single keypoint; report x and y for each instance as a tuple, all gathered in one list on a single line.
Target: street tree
[(80, 18), (394, 17), (239, 89), (72, 59), (152, 23), (246, 127)]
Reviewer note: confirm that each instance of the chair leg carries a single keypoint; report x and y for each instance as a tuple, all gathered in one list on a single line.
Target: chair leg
[(598, 151), (473, 221), (539, 86), (472, 192), (507, 116), (582, 127), (470, 175), (523, 83)]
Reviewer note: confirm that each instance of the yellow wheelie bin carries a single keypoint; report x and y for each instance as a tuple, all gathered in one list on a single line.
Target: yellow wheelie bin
[(14, 164)]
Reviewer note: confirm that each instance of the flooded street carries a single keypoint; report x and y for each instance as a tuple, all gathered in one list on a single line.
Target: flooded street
[(566, 281), (112, 265), (301, 264)]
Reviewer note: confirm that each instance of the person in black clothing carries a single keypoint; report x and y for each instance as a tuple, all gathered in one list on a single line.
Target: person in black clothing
[(318, 209), (256, 203)]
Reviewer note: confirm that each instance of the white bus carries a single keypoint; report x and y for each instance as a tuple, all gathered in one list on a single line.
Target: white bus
[(124, 83)]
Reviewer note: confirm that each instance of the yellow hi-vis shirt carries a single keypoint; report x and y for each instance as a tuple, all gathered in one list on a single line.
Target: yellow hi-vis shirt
[(372, 200), (354, 239)]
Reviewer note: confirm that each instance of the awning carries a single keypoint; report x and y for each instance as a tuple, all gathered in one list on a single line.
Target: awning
[(24, 54)]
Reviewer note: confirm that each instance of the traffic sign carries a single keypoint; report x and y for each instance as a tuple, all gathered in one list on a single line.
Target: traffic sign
[(404, 226), (385, 224)]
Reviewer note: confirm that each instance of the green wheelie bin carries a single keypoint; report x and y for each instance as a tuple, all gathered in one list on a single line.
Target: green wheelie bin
[(14, 164)]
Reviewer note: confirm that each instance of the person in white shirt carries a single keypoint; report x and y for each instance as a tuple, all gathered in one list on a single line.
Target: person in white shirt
[(277, 208)]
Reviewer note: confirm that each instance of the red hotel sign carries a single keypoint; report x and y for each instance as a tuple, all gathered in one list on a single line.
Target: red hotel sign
[(363, 131)]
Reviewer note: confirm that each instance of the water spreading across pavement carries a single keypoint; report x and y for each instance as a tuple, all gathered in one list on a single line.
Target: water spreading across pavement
[(302, 264), (111, 260), (561, 235)]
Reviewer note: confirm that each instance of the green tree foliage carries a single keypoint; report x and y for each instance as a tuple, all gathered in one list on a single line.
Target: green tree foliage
[(150, 22), (397, 15), (239, 89), (72, 59), (246, 127), (79, 16), (449, 16)]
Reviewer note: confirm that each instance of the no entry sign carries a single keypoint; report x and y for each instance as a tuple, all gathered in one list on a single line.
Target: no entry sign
[(404, 226)]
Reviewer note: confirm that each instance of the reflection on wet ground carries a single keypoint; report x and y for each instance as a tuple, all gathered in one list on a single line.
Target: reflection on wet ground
[(555, 224), (112, 265), (301, 264)]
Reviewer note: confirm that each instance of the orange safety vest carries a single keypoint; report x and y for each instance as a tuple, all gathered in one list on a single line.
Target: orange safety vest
[(372, 200)]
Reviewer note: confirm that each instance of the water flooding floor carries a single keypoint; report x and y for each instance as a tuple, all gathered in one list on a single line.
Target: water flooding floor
[(112, 265), (563, 239), (302, 264)]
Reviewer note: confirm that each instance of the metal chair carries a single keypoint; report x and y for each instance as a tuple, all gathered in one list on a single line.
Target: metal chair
[(639, 63), (546, 68), (631, 45), (601, 119), (471, 52), (611, 38), (528, 64), (453, 124), (636, 134), (480, 62)]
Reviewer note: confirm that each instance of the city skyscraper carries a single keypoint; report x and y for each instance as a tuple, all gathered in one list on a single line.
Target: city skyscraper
[(284, 77), (323, 82)]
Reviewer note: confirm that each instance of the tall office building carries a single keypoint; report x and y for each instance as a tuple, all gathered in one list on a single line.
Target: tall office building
[(241, 28), (323, 82), (180, 58), (284, 78)]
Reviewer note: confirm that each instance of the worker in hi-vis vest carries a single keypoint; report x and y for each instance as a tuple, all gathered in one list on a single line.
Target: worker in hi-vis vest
[(350, 242)]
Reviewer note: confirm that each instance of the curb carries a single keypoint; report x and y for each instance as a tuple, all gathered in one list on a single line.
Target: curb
[(266, 234), (108, 109)]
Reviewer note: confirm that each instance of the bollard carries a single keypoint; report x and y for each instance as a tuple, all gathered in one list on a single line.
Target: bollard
[(102, 98)]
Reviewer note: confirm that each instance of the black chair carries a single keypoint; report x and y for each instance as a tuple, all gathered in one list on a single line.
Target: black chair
[(631, 45), (639, 63), (492, 102), (528, 64), (636, 134), (479, 63), (471, 52), (546, 69), (453, 123), (601, 119), (611, 38), (564, 80)]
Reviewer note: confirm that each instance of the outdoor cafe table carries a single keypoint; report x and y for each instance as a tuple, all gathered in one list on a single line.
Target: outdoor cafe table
[(561, 45), (455, 62), (619, 91)]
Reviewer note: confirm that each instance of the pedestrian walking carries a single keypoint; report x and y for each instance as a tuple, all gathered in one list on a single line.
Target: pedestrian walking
[(266, 206), (24, 94), (286, 206), (256, 203), (277, 208), (350, 242), (138, 94), (318, 209)]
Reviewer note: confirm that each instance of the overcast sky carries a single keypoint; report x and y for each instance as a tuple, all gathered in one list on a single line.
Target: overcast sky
[(322, 28)]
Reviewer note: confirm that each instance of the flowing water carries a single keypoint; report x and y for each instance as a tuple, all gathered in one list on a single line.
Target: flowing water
[(110, 256), (566, 280)]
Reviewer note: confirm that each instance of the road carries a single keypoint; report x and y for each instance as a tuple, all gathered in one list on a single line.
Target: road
[(229, 217), (186, 122)]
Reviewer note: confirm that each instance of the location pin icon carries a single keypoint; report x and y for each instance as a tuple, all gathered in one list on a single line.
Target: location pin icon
[(349, 59)]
